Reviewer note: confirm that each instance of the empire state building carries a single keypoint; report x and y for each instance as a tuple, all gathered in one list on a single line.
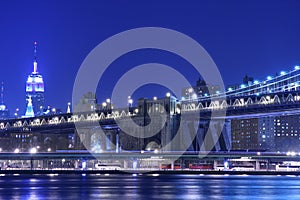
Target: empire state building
[(35, 90)]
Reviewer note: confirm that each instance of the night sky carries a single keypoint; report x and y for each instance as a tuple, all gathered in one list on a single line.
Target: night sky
[(257, 38)]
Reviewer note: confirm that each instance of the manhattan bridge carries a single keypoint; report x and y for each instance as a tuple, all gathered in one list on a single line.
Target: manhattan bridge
[(266, 102)]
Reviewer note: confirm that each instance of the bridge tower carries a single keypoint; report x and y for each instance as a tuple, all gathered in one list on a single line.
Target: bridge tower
[(35, 87)]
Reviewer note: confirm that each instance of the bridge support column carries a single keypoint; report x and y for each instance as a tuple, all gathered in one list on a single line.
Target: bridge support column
[(172, 165), (117, 141), (215, 164), (76, 164), (257, 165)]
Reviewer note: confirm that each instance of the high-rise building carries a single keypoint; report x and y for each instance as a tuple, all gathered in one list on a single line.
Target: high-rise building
[(4, 112), (201, 89), (35, 87)]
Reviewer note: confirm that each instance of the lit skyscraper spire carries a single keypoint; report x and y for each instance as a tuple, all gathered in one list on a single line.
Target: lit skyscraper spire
[(35, 71), (35, 86)]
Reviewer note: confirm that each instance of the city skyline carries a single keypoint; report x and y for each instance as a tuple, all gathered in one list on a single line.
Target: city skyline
[(66, 37)]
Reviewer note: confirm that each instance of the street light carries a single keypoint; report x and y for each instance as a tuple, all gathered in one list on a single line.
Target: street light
[(130, 101), (168, 94), (17, 150), (33, 150)]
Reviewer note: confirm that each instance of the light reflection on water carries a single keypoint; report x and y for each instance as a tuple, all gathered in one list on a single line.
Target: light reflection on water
[(148, 187)]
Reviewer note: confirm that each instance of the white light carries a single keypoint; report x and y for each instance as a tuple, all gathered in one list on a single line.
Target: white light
[(130, 101), (136, 110), (108, 100), (293, 153), (104, 104), (282, 73), (168, 94), (142, 151), (258, 153), (230, 89), (83, 164), (243, 86), (33, 150), (256, 82), (297, 67), (194, 96), (17, 150), (191, 90), (269, 78), (155, 151), (49, 149), (154, 98), (53, 110), (63, 160)]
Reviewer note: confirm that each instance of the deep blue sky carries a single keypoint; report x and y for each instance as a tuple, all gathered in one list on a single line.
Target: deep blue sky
[(257, 38)]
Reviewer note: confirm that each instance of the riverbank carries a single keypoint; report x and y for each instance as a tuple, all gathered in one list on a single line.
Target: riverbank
[(159, 172)]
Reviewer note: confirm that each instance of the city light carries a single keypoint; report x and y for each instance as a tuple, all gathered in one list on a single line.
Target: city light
[(243, 86), (168, 94), (130, 101), (282, 73), (194, 96), (104, 104), (107, 100), (17, 150), (256, 82), (230, 89), (154, 98), (269, 78), (33, 150)]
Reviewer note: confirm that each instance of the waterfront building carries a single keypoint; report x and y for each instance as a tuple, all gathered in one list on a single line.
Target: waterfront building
[(35, 87), (279, 133)]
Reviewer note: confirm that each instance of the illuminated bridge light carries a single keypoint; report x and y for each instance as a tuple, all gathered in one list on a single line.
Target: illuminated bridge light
[(297, 67), (194, 96), (282, 73), (230, 89), (256, 82), (269, 78), (243, 86)]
